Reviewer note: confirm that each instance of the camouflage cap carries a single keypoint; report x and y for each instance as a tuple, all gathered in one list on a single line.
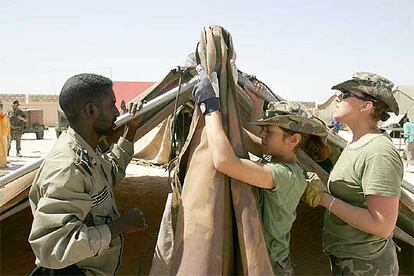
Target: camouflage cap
[(371, 84), (292, 116)]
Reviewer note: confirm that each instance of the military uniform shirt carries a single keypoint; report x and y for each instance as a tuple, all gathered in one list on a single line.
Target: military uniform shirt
[(370, 166), (72, 201), (278, 207), (15, 123)]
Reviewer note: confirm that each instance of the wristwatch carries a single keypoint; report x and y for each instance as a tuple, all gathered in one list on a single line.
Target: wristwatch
[(210, 105)]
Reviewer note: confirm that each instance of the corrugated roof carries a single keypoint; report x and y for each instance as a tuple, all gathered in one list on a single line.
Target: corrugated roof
[(128, 90)]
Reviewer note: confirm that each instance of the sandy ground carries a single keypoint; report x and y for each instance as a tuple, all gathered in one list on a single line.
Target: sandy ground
[(147, 188)]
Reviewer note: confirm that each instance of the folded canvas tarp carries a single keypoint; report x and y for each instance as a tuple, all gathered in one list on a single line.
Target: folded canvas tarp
[(211, 225), (155, 146)]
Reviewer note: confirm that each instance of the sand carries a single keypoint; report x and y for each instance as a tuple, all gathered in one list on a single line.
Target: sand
[(148, 191)]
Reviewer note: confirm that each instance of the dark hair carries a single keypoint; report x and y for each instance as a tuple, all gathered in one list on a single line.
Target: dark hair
[(80, 90), (314, 146), (15, 102), (380, 111)]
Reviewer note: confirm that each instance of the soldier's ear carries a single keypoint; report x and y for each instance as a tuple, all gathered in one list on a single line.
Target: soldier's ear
[(367, 106), (295, 139), (91, 110)]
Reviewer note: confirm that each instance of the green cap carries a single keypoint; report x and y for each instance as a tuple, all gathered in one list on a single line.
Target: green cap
[(371, 84), (292, 116)]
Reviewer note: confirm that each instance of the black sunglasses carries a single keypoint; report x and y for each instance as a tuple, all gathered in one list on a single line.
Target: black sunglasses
[(346, 94)]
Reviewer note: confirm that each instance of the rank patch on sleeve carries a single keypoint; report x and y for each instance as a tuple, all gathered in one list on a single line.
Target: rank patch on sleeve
[(99, 198)]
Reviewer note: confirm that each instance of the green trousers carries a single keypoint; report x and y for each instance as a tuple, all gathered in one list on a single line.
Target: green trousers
[(386, 264)]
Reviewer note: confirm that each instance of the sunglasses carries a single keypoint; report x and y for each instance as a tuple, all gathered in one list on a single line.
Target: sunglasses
[(346, 94)]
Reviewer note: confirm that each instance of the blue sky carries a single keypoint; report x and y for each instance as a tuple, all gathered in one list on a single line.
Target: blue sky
[(299, 48)]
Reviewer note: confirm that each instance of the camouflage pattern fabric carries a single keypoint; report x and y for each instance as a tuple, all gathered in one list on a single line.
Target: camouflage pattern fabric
[(155, 146), (372, 84), (284, 268), (216, 223), (292, 116), (17, 136), (386, 264), (16, 125)]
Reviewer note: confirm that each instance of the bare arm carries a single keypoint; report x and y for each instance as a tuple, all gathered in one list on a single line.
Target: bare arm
[(379, 219), (252, 132), (252, 142), (227, 162), (256, 112)]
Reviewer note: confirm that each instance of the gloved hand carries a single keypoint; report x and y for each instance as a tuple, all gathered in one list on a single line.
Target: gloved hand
[(206, 92), (314, 190)]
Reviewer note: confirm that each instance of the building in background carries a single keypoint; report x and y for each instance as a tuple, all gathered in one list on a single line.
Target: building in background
[(126, 90)]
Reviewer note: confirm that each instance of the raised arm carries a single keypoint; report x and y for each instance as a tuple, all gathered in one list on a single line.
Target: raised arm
[(123, 149), (222, 153), (225, 161), (252, 142), (252, 132)]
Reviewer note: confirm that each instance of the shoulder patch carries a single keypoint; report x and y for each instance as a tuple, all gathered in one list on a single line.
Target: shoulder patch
[(83, 159)]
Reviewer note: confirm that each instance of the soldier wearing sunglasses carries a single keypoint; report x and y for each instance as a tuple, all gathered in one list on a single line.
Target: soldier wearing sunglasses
[(364, 185)]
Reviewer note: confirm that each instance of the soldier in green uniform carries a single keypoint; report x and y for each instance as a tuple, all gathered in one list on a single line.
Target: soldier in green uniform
[(364, 185), (76, 226), (278, 177), (17, 120)]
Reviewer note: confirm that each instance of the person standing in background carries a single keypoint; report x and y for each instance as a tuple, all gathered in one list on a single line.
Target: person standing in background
[(335, 125), (17, 122), (409, 144), (4, 136)]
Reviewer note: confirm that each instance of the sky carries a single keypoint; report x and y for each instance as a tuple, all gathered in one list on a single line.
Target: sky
[(298, 48)]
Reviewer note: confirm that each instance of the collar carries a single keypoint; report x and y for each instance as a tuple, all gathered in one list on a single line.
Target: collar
[(96, 154), (367, 138)]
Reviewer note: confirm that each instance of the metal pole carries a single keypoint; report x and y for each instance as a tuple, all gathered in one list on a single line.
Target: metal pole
[(243, 81), (20, 172), (158, 101)]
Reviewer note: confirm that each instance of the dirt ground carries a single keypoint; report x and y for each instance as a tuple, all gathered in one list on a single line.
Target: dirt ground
[(149, 193)]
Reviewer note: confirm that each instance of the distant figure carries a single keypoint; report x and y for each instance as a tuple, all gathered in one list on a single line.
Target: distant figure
[(17, 121), (335, 125), (4, 136), (409, 142)]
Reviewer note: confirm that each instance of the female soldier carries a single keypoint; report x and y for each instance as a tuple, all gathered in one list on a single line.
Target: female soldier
[(279, 177), (364, 185)]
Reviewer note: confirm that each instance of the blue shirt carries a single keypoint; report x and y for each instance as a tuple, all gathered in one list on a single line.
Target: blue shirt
[(409, 131)]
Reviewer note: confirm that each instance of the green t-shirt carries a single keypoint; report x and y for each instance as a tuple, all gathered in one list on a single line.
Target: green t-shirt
[(369, 166), (278, 207)]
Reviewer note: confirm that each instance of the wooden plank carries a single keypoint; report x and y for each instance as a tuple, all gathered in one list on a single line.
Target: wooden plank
[(22, 205), (15, 187)]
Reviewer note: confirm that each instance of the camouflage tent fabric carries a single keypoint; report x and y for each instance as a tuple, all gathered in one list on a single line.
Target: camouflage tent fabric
[(155, 146), (212, 225)]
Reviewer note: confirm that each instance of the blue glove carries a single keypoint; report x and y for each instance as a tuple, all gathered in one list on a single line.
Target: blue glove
[(205, 92)]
